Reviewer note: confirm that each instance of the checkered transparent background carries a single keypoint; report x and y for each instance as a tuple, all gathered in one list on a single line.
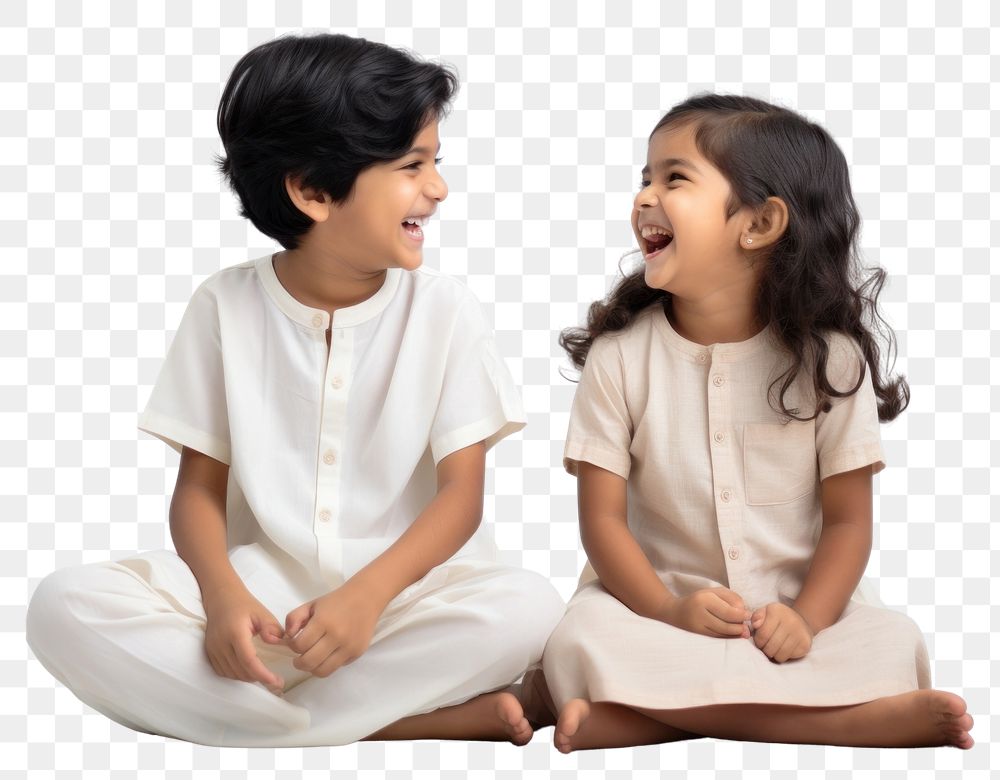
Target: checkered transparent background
[(111, 213)]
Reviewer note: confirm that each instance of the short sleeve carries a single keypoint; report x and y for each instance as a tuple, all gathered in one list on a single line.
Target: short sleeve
[(187, 406), (847, 437), (479, 401), (600, 428)]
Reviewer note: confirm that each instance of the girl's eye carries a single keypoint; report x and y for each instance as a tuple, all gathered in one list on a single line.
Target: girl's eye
[(643, 184), (680, 177)]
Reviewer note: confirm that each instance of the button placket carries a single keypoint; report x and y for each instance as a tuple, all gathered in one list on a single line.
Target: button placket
[(333, 424), (727, 506)]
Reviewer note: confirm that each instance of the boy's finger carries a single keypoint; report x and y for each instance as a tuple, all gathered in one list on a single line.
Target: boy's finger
[(314, 656), (332, 663), (296, 619), (252, 666)]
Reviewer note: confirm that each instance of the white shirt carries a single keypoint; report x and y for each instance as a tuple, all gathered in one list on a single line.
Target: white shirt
[(332, 455)]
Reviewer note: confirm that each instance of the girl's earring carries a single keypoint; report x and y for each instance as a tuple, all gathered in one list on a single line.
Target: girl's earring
[(749, 241)]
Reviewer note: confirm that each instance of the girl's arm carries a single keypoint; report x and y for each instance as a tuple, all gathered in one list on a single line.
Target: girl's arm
[(843, 549), (622, 566), (447, 523), (626, 572)]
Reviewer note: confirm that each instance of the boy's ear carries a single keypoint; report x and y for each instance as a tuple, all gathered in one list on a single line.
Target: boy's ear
[(766, 226), (314, 203)]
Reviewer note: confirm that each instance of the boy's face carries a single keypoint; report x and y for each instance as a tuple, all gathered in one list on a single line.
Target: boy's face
[(379, 226)]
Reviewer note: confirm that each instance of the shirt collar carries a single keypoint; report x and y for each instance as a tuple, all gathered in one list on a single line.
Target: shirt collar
[(700, 353), (319, 319)]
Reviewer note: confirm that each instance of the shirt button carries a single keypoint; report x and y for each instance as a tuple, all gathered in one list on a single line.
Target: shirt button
[(726, 495), (336, 383), (317, 320), (719, 437), (702, 357), (329, 457), (324, 515), (718, 380), (734, 553)]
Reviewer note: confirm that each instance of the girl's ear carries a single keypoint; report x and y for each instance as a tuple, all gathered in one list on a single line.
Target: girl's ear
[(767, 225), (311, 202)]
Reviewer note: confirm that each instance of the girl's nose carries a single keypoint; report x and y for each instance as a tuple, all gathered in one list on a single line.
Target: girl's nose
[(645, 197)]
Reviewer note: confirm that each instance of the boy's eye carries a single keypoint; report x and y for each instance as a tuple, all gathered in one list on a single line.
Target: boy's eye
[(680, 177), (643, 184), (417, 163)]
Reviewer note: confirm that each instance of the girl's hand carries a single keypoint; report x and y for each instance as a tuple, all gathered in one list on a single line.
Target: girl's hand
[(234, 617), (781, 632), (715, 612), (332, 630)]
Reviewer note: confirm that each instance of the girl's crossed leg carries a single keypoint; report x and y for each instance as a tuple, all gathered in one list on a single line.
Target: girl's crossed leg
[(921, 718)]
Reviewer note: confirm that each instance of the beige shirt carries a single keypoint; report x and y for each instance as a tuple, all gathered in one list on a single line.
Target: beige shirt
[(721, 491)]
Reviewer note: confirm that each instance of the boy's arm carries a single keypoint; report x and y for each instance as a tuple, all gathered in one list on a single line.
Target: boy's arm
[(447, 523), (337, 628), (843, 548), (198, 521), (234, 616)]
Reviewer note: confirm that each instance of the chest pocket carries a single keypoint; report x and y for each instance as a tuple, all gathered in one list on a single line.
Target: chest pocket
[(779, 461)]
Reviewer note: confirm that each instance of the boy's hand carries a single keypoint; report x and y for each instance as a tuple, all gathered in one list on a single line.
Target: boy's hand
[(717, 612), (332, 630), (234, 617), (781, 632)]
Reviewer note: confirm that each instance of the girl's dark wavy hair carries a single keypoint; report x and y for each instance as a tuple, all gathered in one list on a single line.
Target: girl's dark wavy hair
[(811, 280), (320, 107)]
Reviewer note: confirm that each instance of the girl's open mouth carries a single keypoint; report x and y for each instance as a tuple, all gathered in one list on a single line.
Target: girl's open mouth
[(654, 244)]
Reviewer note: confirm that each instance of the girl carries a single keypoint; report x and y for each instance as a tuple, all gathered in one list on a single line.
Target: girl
[(725, 436), (332, 404)]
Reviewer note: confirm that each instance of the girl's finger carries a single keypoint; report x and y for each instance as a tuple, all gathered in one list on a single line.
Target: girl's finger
[(773, 644), (731, 598), (723, 628), (726, 612), (763, 633)]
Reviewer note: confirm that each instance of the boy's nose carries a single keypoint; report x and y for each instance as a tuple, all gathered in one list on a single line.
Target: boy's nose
[(437, 188)]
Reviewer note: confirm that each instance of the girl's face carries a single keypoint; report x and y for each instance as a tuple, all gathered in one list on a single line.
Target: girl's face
[(378, 227), (679, 217)]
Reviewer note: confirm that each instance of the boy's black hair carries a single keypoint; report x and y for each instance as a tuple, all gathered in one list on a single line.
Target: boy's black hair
[(322, 108)]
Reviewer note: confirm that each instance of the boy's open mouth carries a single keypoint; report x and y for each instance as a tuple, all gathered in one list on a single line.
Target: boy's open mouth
[(413, 226)]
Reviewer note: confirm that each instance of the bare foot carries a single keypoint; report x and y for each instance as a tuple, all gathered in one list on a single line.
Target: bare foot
[(490, 716), (933, 718), (511, 714), (585, 725), (570, 719)]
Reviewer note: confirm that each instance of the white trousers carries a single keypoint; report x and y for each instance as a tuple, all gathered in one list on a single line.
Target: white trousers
[(127, 637)]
